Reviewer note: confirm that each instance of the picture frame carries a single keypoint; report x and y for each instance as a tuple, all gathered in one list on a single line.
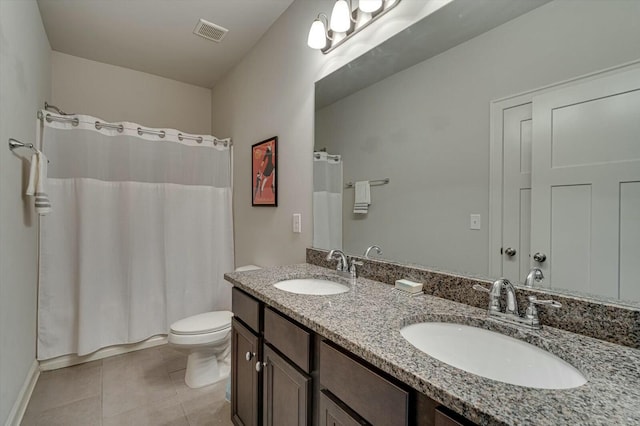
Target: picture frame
[(264, 173)]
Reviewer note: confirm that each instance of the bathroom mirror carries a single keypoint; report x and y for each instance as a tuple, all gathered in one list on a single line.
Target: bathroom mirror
[(431, 110)]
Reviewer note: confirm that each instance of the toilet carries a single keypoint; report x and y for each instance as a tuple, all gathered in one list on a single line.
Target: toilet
[(207, 340)]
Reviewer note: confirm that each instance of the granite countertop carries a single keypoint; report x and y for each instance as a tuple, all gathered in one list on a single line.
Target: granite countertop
[(367, 322)]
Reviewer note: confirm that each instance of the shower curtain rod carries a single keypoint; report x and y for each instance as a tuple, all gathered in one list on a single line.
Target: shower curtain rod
[(119, 127)]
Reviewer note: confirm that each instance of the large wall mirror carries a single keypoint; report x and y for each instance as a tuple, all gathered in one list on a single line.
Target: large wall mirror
[(497, 136)]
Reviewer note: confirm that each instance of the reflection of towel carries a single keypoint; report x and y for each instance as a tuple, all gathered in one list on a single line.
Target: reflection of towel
[(38, 182), (362, 198)]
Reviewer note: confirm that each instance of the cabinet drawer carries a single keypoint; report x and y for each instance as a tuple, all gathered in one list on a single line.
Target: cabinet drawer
[(373, 397), (246, 308), (291, 340), (445, 417), (335, 413)]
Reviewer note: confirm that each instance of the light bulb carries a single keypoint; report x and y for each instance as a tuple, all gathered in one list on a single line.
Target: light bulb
[(369, 6), (317, 35), (341, 17)]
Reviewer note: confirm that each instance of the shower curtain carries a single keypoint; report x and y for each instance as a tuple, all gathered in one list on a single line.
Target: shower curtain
[(327, 201), (140, 234)]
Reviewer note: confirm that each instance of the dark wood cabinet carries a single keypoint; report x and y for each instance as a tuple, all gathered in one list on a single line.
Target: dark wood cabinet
[(286, 394), (245, 378), (333, 412), (445, 417), (283, 374), (377, 399)]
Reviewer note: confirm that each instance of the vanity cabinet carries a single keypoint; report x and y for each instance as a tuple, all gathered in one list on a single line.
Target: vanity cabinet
[(271, 366), (334, 412), (375, 398), (287, 392), (283, 374), (245, 378), (444, 417)]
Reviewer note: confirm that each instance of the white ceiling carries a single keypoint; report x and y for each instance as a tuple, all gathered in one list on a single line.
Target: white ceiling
[(156, 36)]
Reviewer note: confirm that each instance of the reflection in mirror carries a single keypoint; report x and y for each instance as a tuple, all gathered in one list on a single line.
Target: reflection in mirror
[(487, 170)]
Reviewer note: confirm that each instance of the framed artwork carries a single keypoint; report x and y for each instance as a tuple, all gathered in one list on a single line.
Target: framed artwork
[(264, 173)]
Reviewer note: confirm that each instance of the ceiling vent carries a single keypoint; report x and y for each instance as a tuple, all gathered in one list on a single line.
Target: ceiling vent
[(210, 31)]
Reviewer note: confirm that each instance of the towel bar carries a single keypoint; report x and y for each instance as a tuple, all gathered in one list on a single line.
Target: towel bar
[(375, 182)]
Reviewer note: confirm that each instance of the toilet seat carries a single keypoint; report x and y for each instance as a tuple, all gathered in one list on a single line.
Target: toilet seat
[(203, 339), (209, 322)]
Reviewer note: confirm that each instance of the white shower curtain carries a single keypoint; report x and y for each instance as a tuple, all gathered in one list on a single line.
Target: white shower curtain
[(327, 201), (140, 235)]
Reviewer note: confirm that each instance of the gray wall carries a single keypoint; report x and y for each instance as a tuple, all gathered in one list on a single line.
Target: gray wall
[(25, 76), (271, 92), (427, 128), (121, 94)]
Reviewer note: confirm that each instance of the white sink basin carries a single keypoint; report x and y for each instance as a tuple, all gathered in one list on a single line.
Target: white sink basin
[(312, 286), (492, 355)]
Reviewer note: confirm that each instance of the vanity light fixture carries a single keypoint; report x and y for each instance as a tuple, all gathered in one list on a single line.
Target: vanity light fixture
[(369, 6), (341, 17), (325, 35), (319, 34)]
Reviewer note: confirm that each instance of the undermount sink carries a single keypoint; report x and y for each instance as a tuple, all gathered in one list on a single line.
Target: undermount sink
[(312, 286), (492, 355)]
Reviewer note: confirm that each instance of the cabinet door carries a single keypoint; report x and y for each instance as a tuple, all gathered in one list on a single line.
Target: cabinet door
[(245, 384), (335, 413), (287, 392)]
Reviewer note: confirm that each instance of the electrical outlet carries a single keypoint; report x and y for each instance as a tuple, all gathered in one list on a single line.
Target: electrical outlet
[(297, 223), (474, 222)]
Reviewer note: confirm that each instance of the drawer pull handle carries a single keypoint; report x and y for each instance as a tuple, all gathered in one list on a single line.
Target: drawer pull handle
[(249, 356)]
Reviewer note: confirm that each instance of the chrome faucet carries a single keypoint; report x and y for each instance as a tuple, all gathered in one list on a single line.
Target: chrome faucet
[(344, 268), (510, 315), (374, 247), (534, 275), (496, 295), (343, 264)]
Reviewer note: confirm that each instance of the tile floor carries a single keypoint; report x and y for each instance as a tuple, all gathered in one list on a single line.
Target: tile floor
[(139, 388)]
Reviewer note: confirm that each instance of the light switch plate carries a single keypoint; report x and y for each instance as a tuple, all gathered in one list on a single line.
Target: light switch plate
[(474, 222), (297, 223)]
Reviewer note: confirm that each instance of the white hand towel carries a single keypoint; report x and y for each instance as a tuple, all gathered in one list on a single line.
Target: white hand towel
[(38, 183), (362, 197)]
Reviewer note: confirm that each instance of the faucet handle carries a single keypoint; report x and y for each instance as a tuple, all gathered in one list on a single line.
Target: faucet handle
[(531, 313), (533, 300), (481, 288), (352, 267)]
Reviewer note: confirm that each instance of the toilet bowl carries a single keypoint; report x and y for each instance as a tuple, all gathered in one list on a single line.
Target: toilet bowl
[(206, 338)]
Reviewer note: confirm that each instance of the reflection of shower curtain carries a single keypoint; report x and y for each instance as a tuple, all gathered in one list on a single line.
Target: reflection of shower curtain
[(140, 235), (327, 201)]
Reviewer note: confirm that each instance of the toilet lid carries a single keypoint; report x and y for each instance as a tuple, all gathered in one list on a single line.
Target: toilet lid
[(203, 323)]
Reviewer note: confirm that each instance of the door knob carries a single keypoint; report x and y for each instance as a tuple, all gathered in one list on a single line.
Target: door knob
[(539, 257), (249, 355), (510, 252)]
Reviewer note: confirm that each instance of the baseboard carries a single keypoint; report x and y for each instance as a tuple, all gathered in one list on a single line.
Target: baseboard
[(69, 360), (20, 406)]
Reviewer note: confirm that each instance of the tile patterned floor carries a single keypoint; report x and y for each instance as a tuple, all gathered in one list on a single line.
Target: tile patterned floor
[(139, 388)]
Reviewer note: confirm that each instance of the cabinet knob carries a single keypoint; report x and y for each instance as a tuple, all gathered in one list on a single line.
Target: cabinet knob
[(510, 252), (249, 356), (259, 366)]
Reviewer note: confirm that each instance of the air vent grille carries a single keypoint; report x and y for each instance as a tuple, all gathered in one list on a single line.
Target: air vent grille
[(210, 31)]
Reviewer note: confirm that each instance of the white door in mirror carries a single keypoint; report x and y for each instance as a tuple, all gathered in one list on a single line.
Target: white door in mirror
[(585, 185)]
